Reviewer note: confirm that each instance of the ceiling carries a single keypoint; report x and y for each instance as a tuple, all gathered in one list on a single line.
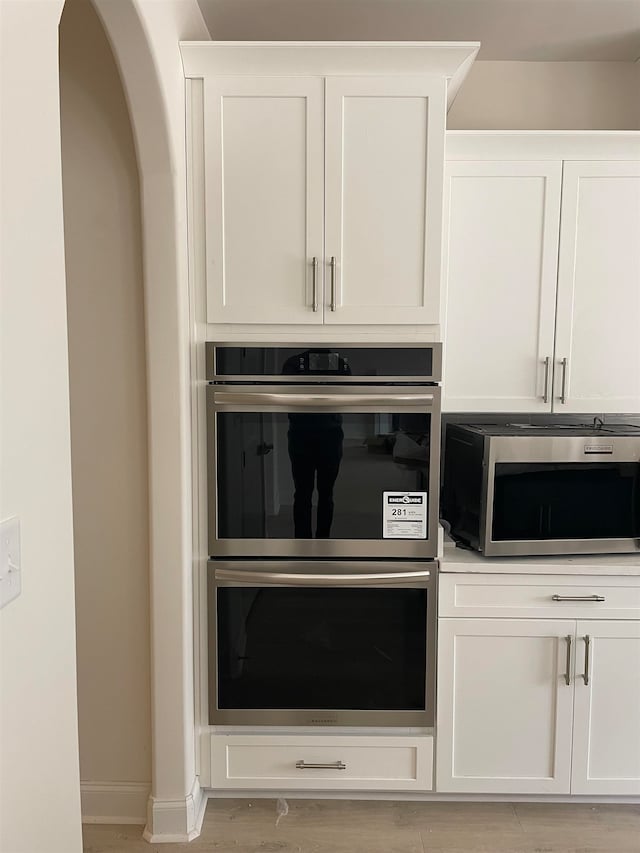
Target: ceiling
[(542, 30)]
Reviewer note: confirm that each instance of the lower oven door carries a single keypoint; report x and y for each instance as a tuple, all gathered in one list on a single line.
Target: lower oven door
[(322, 643), (323, 471)]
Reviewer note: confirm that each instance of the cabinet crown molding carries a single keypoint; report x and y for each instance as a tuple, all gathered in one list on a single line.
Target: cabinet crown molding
[(451, 60)]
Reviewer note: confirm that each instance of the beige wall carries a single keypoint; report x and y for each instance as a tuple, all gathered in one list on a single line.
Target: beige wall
[(549, 96), (108, 405), (39, 785)]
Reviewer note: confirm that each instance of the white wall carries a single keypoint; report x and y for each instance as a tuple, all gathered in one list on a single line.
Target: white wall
[(548, 96), (39, 779), (108, 420)]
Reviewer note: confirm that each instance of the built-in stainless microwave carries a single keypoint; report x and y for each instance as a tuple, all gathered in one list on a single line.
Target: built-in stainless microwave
[(518, 489)]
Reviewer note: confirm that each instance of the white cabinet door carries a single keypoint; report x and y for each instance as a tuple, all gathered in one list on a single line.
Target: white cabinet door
[(264, 173), (597, 341), (606, 735), (502, 221), (505, 710), (384, 181)]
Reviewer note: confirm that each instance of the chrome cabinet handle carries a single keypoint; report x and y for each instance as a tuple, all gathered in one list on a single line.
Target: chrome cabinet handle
[(332, 765), (577, 598), (547, 365), (567, 675), (587, 649), (563, 392), (314, 266), (333, 284)]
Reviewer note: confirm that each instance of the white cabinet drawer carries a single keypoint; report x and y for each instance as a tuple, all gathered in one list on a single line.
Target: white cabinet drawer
[(532, 596), (370, 763)]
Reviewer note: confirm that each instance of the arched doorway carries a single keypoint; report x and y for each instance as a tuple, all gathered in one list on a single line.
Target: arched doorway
[(144, 37), (108, 406)]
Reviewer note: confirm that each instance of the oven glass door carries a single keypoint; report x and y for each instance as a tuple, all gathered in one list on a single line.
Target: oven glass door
[(293, 479), (316, 653)]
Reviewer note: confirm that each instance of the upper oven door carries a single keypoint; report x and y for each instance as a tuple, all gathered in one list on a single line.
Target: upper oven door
[(323, 471)]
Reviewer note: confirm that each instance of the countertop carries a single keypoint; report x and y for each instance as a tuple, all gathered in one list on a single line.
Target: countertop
[(461, 560)]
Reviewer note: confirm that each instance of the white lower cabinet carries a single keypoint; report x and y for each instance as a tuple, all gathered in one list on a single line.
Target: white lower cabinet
[(537, 706), (322, 762), (606, 729), (504, 709)]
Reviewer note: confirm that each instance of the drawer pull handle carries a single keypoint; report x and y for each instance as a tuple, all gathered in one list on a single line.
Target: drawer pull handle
[(332, 765), (587, 649), (577, 597), (567, 675)]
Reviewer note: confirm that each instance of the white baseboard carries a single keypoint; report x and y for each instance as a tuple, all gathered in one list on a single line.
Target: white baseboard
[(114, 802), (176, 820), (413, 797)]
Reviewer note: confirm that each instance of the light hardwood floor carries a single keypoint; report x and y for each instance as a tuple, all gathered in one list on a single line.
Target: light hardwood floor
[(341, 826)]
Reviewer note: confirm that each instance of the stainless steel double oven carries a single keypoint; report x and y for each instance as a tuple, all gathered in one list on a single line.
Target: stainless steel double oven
[(323, 467)]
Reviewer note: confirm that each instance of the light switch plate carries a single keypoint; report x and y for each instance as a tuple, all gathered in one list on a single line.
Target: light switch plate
[(10, 574)]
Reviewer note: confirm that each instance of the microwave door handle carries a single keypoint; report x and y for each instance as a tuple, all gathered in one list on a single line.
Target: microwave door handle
[(315, 401), (292, 579)]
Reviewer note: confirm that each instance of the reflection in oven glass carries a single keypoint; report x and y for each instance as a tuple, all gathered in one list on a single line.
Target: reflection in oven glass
[(315, 449)]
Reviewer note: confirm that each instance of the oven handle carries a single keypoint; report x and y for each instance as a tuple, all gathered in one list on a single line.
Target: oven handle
[(260, 398), (285, 578)]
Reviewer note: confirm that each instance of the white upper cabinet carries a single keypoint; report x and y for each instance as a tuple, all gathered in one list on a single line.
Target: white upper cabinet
[(384, 163), (316, 182), (502, 225), (597, 338), (542, 283), (264, 184)]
